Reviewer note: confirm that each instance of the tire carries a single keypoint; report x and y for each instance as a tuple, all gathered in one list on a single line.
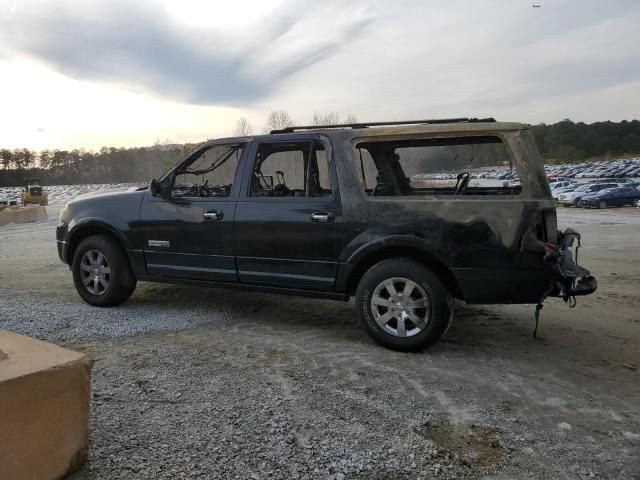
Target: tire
[(116, 280), (374, 304), (602, 204), (636, 202)]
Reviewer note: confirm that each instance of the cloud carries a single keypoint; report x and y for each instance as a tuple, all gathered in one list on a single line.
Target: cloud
[(463, 58), (138, 45)]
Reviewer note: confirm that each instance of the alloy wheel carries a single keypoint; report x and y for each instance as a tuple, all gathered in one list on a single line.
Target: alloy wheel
[(95, 272), (602, 204), (400, 307)]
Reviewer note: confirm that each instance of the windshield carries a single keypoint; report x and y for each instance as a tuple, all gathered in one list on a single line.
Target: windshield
[(209, 174), (179, 161)]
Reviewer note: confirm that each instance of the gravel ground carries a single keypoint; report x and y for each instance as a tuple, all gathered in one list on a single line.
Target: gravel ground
[(204, 383)]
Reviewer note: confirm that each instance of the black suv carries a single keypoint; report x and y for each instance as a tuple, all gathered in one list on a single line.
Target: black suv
[(405, 216)]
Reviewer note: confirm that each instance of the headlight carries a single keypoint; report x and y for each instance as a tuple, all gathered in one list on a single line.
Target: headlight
[(65, 216)]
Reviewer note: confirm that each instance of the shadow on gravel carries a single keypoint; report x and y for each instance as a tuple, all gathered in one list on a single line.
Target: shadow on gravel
[(473, 328)]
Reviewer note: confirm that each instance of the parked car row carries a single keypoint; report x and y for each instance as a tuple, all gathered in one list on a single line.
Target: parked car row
[(613, 169), (597, 194), (621, 168)]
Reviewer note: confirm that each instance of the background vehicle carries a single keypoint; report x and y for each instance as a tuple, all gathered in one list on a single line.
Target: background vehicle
[(571, 199), (561, 184), (611, 197), (34, 192), (387, 212)]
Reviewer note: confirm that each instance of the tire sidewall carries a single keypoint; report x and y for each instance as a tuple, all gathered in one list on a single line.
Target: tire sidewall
[(121, 278), (439, 300)]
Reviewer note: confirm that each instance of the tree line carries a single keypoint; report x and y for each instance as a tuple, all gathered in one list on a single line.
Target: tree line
[(562, 142), (569, 142)]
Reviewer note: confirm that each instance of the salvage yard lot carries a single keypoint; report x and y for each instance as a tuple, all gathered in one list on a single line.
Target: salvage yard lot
[(205, 383)]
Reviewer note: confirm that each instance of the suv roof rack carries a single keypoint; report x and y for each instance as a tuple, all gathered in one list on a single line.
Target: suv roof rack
[(382, 124)]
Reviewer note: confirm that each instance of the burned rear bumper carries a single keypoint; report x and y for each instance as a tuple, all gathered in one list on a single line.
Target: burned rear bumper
[(570, 279)]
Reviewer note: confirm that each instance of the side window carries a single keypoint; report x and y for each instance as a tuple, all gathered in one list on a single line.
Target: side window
[(211, 174), (436, 166), (296, 169)]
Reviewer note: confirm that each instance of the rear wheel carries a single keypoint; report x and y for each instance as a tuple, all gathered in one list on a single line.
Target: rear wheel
[(101, 272), (403, 305), (602, 204)]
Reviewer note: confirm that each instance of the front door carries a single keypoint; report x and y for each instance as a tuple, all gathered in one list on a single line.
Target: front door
[(190, 234), (288, 228)]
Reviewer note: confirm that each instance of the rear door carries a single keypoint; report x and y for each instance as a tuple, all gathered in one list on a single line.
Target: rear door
[(288, 228), (190, 235)]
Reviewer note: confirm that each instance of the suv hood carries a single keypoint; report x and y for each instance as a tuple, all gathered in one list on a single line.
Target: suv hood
[(108, 193)]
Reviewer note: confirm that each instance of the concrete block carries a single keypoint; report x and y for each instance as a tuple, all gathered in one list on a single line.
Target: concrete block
[(44, 408)]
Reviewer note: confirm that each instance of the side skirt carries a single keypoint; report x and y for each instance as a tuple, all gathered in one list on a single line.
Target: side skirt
[(246, 286)]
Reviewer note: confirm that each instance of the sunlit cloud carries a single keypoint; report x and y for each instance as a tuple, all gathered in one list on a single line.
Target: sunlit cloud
[(138, 45), (89, 73)]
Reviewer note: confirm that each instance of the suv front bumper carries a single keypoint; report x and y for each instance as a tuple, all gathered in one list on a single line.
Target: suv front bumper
[(61, 242)]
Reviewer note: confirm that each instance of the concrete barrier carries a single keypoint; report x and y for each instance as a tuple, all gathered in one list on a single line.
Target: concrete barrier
[(15, 214), (44, 408)]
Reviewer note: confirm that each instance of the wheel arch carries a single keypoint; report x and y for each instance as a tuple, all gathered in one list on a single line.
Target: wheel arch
[(367, 260), (88, 229)]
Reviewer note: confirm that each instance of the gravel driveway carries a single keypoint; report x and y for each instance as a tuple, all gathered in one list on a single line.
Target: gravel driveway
[(204, 383)]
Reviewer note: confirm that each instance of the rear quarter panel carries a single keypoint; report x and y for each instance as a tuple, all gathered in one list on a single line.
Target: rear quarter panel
[(477, 238)]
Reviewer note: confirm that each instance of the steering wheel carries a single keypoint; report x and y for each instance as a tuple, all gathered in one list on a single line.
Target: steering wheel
[(204, 190), (280, 190), (463, 181)]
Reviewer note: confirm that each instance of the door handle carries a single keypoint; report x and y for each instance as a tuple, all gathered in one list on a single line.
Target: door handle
[(322, 217), (213, 215)]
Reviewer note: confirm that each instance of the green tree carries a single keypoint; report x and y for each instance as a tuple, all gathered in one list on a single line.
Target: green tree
[(6, 158)]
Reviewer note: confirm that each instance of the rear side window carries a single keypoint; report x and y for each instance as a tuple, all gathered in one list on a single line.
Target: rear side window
[(436, 166), (297, 170)]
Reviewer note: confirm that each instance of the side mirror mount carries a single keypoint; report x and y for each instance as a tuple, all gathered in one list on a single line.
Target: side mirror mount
[(161, 188)]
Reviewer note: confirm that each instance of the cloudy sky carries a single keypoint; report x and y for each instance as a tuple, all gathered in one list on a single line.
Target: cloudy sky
[(84, 74)]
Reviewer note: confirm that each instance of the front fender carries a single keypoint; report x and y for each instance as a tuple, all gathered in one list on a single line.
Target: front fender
[(76, 228)]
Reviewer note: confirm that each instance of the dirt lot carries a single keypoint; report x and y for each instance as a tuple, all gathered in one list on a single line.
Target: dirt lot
[(192, 383)]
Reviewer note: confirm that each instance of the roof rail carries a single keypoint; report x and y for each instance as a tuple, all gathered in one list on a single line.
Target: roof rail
[(383, 124)]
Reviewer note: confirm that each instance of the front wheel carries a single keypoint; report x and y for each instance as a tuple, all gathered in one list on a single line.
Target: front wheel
[(403, 305), (602, 204), (636, 202), (101, 272)]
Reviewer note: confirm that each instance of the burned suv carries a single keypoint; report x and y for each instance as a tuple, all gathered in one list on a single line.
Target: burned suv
[(405, 216)]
